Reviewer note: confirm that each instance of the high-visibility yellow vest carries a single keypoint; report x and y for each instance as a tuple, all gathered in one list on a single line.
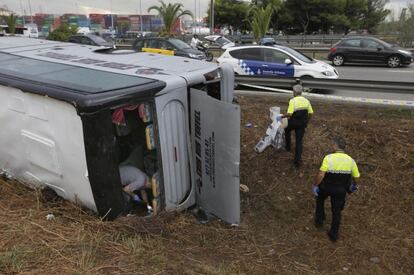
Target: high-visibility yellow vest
[(299, 103), (340, 163)]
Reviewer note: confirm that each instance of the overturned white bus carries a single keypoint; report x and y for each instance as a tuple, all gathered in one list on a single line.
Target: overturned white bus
[(70, 116)]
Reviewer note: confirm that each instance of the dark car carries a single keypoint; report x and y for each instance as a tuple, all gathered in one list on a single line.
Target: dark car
[(267, 41), (177, 46), (363, 49), (90, 39)]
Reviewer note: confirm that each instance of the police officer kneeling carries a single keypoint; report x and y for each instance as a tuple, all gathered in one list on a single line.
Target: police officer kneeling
[(336, 178)]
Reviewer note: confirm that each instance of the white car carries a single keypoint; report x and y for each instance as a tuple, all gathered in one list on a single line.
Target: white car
[(275, 60)]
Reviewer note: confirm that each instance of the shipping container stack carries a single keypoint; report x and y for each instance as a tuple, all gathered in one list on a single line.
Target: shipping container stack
[(47, 25), (39, 20), (135, 22), (19, 21), (83, 21), (28, 19), (108, 20), (146, 23), (123, 24), (156, 23), (56, 23), (97, 23), (177, 28)]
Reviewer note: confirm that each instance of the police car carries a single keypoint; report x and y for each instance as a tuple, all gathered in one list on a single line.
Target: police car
[(275, 60)]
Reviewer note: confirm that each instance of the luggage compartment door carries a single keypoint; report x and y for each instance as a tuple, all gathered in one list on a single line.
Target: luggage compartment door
[(174, 137), (215, 136)]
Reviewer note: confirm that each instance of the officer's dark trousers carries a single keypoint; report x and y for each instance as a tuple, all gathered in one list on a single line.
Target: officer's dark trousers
[(299, 133), (337, 194)]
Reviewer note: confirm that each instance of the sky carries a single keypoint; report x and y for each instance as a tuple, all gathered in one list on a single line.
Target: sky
[(198, 7)]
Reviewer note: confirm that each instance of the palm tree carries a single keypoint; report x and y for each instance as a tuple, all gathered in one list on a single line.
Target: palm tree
[(170, 14), (261, 18), (11, 22)]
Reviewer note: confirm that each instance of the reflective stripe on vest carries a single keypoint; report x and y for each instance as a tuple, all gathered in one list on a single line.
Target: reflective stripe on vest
[(340, 164)]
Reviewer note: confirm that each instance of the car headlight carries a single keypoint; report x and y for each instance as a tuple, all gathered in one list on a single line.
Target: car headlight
[(328, 73), (193, 55), (405, 52)]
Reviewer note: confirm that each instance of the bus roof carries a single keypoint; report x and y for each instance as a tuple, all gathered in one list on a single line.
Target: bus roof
[(90, 80)]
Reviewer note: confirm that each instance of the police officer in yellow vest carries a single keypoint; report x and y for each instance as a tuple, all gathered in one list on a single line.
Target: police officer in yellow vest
[(335, 179), (299, 112)]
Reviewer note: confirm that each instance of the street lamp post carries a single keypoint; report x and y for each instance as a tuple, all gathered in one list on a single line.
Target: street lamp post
[(140, 14), (195, 16), (212, 17), (112, 19)]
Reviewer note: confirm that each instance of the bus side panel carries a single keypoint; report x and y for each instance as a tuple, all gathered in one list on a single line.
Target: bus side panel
[(172, 115), (41, 143)]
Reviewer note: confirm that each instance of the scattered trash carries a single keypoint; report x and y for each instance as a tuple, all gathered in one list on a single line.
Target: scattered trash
[(374, 260), (50, 217), (364, 122), (274, 133), (149, 210), (289, 198), (345, 268), (263, 144), (402, 131), (244, 188), (307, 228), (248, 125)]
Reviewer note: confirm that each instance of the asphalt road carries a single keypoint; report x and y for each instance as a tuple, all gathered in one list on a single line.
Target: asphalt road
[(376, 73), (364, 72)]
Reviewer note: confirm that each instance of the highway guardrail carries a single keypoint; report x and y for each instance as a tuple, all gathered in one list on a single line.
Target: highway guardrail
[(328, 84)]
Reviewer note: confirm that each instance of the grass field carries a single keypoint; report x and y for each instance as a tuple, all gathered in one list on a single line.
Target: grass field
[(276, 235)]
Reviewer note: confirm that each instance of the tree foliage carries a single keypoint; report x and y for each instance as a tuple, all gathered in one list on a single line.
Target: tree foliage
[(260, 21), (406, 22), (375, 13), (306, 16), (170, 14), (401, 28), (11, 22), (62, 33), (230, 13)]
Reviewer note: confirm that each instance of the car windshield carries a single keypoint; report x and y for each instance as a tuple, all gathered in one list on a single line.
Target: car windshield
[(299, 55), (98, 40), (386, 44), (222, 40), (177, 43)]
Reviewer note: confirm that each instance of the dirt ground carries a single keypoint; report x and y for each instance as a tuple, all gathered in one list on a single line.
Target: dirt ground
[(276, 236)]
